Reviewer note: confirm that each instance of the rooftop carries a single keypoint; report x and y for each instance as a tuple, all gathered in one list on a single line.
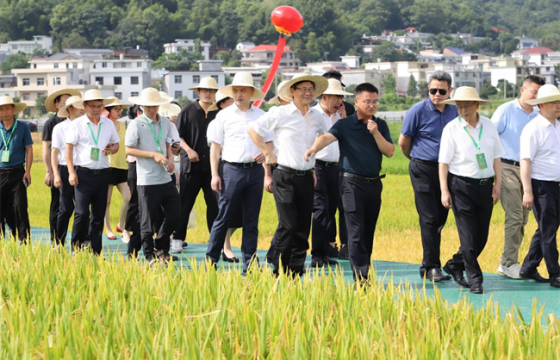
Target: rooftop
[(537, 50), (267, 48)]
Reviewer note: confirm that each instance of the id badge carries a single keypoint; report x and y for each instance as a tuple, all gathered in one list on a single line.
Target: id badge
[(94, 154), (481, 160), (6, 156)]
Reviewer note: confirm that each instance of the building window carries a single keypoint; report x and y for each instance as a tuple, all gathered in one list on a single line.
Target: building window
[(67, 65), (103, 64), (56, 81), (134, 93), (139, 64), (196, 79), (215, 77), (99, 79), (178, 79), (26, 96), (40, 81), (518, 71), (41, 94), (194, 95), (190, 48), (134, 80), (178, 94), (55, 65), (117, 80), (74, 65), (34, 66), (26, 82), (118, 95)]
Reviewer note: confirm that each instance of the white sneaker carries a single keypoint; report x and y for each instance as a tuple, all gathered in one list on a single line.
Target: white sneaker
[(176, 246), (511, 272)]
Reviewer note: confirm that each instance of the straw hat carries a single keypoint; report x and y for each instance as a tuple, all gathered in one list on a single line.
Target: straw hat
[(335, 88), (547, 93), (71, 101), (206, 83), (91, 95), (243, 79), (169, 110), (465, 93), (165, 95), (321, 84), (219, 97), (276, 100), (116, 102), (149, 97), (7, 100), (49, 102)]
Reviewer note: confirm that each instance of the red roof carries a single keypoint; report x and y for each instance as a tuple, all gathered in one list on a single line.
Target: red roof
[(267, 48), (538, 50)]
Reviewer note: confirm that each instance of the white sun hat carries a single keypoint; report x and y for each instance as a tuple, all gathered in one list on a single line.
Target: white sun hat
[(206, 83), (547, 93), (63, 112), (7, 100), (149, 97), (244, 79), (465, 93)]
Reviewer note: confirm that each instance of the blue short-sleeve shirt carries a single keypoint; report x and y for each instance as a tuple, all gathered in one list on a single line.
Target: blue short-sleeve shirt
[(21, 138)]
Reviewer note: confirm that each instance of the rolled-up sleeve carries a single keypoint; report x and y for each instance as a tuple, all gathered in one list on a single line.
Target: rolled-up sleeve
[(131, 137), (446, 146), (528, 144), (266, 123)]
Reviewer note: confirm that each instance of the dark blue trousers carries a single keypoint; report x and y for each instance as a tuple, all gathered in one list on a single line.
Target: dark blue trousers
[(132, 223), (66, 207), (242, 188)]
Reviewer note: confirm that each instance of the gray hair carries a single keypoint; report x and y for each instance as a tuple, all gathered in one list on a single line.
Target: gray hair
[(441, 76)]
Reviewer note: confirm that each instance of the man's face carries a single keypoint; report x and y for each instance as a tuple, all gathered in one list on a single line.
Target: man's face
[(304, 92), (466, 109), (75, 112), (242, 95), (529, 91), (206, 95), (437, 87), (332, 102), (151, 111), (367, 103), (550, 110), (7, 112), (59, 105), (93, 108)]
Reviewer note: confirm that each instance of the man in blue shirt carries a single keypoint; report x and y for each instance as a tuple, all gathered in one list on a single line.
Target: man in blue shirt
[(510, 119), (16, 148), (419, 141)]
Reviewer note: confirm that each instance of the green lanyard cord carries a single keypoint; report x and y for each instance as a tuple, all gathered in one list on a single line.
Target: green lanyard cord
[(7, 143), (156, 138), (95, 140), (477, 145)]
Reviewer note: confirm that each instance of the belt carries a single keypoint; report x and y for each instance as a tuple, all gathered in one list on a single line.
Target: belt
[(19, 167), (430, 163), (511, 162), (93, 171), (481, 182), (245, 165), (293, 171), (362, 179), (327, 163)]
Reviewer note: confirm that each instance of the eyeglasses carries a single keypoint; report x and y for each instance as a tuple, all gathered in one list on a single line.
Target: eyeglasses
[(441, 91), (306, 90), (94, 107), (555, 103), (371, 103), (207, 91), (461, 107)]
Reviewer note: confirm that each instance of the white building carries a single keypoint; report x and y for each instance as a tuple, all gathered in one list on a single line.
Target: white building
[(245, 46), (39, 42), (129, 76), (188, 45), (263, 55), (177, 83)]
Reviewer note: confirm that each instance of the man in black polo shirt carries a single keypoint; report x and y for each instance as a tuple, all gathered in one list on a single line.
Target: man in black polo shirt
[(362, 140), (192, 125)]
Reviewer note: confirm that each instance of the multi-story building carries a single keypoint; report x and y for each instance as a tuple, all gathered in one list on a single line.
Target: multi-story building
[(188, 45), (39, 42), (263, 55), (402, 70), (177, 83), (7, 85)]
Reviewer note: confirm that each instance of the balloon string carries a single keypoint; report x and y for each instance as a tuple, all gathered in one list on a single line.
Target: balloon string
[(273, 67)]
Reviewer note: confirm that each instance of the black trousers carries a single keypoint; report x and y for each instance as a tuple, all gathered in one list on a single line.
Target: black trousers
[(66, 208), (53, 212), (362, 204), (91, 192), (8, 218), (432, 213), (191, 184), (241, 189), (13, 200), (155, 200), (546, 207), (132, 222), (293, 195), (472, 205)]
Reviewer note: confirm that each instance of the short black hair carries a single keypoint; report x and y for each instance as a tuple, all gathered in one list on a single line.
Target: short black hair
[(441, 75), (295, 85), (333, 74), (533, 79), (58, 98), (133, 111), (366, 87), (219, 103)]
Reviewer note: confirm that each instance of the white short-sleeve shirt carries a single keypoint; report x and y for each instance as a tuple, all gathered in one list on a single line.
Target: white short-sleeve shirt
[(59, 141), (331, 153), (540, 143)]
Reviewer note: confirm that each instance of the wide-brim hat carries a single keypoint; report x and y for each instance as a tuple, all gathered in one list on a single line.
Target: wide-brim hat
[(335, 88), (547, 93), (244, 79), (7, 100), (63, 112), (116, 102), (49, 102), (169, 110), (321, 84), (91, 95), (149, 97), (165, 95), (206, 83), (465, 93), (219, 97)]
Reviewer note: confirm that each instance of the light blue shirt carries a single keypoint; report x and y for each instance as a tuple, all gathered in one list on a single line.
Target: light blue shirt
[(510, 119)]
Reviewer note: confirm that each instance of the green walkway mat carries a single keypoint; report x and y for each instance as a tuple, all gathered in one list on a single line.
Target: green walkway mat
[(507, 292)]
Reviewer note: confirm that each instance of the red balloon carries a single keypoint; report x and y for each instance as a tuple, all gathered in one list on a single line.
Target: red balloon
[(286, 19)]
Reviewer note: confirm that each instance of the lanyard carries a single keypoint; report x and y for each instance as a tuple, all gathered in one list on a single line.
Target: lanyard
[(477, 145), (95, 139), (7, 143), (153, 131)]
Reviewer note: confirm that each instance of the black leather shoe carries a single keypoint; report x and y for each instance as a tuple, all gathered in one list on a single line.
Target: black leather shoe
[(457, 276), (316, 262), (476, 288), (230, 259), (436, 275), (534, 275), (332, 250), (555, 282), (343, 252), (328, 261), (269, 260)]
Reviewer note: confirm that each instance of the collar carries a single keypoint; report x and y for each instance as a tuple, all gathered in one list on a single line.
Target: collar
[(544, 121), (359, 121), (293, 108), (198, 107), (102, 119), (464, 122), (237, 109), (3, 127), (150, 120), (432, 107), (517, 105)]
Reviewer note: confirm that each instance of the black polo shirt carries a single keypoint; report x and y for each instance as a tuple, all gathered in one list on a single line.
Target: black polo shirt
[(49, 126), (192, 124), (359, 153)]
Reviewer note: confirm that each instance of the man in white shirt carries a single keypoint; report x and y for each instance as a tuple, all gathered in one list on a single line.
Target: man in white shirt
[(90, 141), (241, 184), (540, 174), (294, 126), (60, 170)]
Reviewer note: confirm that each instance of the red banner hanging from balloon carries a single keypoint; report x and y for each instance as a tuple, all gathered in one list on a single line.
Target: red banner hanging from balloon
[(273, 67)]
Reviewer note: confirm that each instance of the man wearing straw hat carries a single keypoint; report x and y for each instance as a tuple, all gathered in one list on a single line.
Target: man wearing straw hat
[(147, 140), (294, 126), (363, 141), (540, 174), (90, 141), (195, 158), (16, 149), (327, 194), (241, 183), (470, 179), (53, 103), (60, 168)]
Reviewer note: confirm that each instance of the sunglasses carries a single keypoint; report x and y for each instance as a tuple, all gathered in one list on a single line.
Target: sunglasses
[(441, 91)]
